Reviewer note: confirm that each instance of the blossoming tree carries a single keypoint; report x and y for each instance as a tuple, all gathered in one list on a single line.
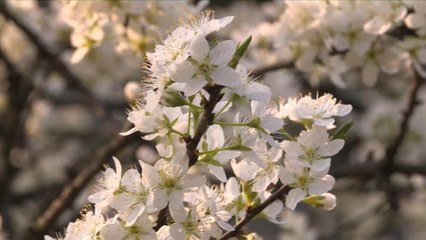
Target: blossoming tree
[(221, 131)]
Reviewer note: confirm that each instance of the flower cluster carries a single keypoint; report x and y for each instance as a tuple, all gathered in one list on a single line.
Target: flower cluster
[(336, 38), (203, 110), (129, 23)]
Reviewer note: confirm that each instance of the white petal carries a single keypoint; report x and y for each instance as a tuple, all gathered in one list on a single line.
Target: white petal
[(314, 138), (222, 53), (131, 131), (321, 186), (215, 137), (286, 177), (343, 109), (160, 199), (99, 197), (292, 149), (244, 170), (370, 72), (150, 175), (377, 25), (226, 155), (135, 212), (270, 140), (321, 165), (215, 25), (261, 183), (220, 105), (193, 181), (331, 148), (177, 232), (218, 172), (118, 169), (232, 187), (176, 200), (226, 76), (182, 72), (194, 86), (325, 122), (415, 20), (79, 54), (223, 22), (225, 226), (199, 48), (293, 197), (113, 231), (258, 92), (341, 43), (131, 180), (271, 123)]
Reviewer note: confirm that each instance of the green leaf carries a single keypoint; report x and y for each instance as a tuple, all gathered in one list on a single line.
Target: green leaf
[(239, 53), (342, 131)]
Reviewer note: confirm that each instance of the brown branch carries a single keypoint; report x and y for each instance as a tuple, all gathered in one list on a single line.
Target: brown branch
[(76, 185), (251, 213), (52, 58), (383, 178), (204, 123), (393, 148)]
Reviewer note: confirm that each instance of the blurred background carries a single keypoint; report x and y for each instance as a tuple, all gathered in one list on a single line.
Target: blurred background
[(70, 69)]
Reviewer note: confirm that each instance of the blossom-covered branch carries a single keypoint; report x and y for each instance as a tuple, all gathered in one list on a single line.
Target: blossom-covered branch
[(194, 90)]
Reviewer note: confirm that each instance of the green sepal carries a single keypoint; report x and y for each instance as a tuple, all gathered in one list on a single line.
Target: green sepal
[(239, 53), (173, 99), (209, 160), (342, 131)]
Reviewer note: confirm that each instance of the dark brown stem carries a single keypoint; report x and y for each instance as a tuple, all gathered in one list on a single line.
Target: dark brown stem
[(253, 212), (204, 123)]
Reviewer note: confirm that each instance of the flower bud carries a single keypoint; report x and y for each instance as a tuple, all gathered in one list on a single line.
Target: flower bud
[(325, 201), (132, 91)]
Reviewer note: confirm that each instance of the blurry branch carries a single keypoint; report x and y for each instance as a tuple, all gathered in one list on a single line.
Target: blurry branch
[(383, 170), (259, 72), (18, 90), (76, 185), (253, 212), (395, 145), (393, 148), (69, 98), (367, 171), (52, 58)]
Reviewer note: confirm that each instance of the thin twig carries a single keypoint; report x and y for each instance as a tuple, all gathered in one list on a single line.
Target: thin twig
[(255, 211)]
